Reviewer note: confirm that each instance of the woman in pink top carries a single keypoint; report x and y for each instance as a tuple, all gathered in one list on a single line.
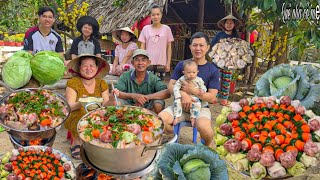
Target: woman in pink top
[(124, 51), (156, 39)]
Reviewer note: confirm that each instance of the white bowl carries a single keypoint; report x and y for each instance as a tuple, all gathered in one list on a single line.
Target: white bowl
[(86, 100)]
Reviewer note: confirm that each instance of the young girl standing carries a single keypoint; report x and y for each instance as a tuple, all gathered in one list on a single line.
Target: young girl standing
[(156, 39)]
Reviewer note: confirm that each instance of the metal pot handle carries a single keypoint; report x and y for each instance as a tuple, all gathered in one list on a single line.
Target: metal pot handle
[(89, 104), (158, 147)]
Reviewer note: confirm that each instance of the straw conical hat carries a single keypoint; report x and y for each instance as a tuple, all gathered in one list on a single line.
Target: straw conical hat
[(117, 33), (73, 66), (237, 22)]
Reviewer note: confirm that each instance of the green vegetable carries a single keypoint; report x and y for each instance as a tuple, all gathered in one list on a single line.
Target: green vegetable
[(258, 171), (174, 156), (242, 165), (233, 157), (5, 159), (297, 169), (226, 110), (24, 54), (308, 160), (221, 151), (299, 82), (128, 136), (219, 139), (196, 169), (221, 119), (16, 71), (47, 67), (4, 173)]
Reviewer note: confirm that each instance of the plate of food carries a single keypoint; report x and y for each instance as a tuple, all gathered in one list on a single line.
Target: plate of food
[(266, 137), (36, 162)]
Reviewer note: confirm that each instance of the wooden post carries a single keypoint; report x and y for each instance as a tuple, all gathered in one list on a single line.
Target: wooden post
[(200, 15)]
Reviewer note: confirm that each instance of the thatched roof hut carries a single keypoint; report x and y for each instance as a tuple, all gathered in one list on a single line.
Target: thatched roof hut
[(114, 17)]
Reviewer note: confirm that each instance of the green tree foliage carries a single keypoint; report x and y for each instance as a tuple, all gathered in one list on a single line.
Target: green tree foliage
[(18, 15)]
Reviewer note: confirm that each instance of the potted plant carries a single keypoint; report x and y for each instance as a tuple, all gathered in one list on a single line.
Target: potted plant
[(19, 40), (1, 38), (12, 40)]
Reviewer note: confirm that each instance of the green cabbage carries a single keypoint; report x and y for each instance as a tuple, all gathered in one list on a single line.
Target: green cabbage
[(299, 82), (16, 71), (128, 136), (219, 139), (221, 118), (297, 169), (233, 157), (196, 169), (221, 151), (23, 53), (308, 160), (258, 171), (47, 67), (242, 165), (174, 156), (226, 110)]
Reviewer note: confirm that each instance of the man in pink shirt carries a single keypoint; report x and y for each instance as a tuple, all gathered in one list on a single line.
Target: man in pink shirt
[(156, 39)]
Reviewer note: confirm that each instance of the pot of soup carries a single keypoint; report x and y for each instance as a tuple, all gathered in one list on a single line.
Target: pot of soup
[(121, 139), (32, 116)]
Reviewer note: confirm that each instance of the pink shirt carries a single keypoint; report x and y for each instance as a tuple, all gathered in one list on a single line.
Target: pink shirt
[(156, 40), (121, 52)]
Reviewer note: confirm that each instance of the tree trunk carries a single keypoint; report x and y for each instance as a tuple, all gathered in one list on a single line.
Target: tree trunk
[(200, 15), (253, 68), (283, 58), (276, 26)]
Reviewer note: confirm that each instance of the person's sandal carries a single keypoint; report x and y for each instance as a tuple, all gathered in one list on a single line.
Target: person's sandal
[(74, 153), (225, 103)]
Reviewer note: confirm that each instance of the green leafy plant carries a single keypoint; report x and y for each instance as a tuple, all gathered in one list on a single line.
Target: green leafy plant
[(6, 39)]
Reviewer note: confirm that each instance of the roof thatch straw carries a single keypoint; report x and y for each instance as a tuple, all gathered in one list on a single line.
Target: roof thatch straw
[(115, 17)]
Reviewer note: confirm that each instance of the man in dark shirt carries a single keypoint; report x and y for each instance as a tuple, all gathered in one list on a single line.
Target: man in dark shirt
[(42, 37), (210, 75)]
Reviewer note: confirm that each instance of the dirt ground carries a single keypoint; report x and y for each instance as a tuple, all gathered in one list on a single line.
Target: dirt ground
[(185, 137)]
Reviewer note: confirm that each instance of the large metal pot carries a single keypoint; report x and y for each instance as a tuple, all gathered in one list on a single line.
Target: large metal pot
[(121, 161), (27, 136)]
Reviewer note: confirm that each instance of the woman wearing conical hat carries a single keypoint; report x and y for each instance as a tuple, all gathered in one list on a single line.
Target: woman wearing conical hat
[(123, 51), (229, 25), (87, 72), (86, 43)]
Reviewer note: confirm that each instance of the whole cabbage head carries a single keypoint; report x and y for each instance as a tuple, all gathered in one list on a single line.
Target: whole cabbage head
[(47, 67), (298, 82), (184, 162), (16, 71)]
